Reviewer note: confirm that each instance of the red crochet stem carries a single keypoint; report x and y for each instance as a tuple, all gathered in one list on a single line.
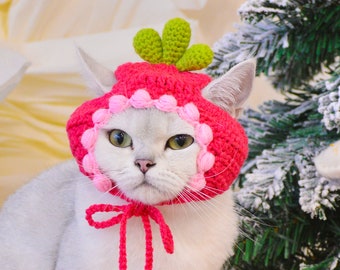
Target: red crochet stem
[(128, 211), (164, 229), (148, 243), (122, 244)]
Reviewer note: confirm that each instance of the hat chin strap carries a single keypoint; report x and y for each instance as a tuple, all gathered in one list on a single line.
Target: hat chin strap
[(205, 161), (145, 212)]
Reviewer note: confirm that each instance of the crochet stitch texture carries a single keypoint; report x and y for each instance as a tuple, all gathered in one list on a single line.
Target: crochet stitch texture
[(229, 144), (172, 47), (165, 84)]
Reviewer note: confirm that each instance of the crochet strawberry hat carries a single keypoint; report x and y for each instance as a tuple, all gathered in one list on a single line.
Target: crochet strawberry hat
[(165, 82)]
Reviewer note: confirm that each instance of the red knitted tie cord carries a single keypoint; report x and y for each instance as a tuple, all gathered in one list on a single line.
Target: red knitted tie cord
[(126, 212)]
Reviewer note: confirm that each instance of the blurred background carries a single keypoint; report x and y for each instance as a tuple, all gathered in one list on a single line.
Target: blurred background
[(40, 84)]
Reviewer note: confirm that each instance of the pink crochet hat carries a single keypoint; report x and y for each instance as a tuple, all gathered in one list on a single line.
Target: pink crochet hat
[(141, 85), (163, 86), (163, 83)]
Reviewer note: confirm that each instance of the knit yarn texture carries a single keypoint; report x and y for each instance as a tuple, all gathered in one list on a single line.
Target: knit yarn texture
[(229, 144)]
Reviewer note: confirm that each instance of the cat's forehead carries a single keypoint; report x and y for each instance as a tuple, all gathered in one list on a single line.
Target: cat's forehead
[(149, 121)]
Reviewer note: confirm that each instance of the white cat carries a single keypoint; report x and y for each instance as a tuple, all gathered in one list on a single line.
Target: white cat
[(151, 155)]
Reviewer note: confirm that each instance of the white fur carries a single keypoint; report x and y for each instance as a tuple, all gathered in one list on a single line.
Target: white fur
[(150, 129), (43, 225), (232, 89), (98, 78)]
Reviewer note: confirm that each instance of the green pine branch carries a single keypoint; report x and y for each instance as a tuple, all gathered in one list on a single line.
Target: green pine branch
[(290, 215), (291, 243), (279, 232), (292, 43)]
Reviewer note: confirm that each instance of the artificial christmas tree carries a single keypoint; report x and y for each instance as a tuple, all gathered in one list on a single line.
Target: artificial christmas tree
[(290, 212)]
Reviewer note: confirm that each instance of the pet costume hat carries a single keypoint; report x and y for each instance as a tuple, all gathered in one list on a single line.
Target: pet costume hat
[(163, 82)]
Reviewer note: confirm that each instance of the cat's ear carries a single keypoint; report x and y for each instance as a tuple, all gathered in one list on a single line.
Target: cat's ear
[(98, 78), (231, 90)]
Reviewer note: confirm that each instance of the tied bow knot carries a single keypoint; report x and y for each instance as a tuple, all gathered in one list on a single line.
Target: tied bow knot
[(125, 212)]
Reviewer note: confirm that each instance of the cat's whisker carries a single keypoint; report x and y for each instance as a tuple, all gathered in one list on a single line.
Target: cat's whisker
[(224, 169), (190, 207), (252, 217), (197, 206), (174, 206), (249, 218), (151, 129), (214, 191), (215, 204), (112, 188), (201, 194), (217, 174)]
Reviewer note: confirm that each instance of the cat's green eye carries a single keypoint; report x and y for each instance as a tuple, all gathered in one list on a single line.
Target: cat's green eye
[(120, 138), (180, 141)]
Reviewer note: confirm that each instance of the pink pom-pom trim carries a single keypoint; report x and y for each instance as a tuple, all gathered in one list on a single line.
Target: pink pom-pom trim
[(141, 99), (204, 134), (190, 113), (102, 183), (89, 138), (205, 160), (197, 182), (118, 103), (101, 116), (166, 103), (89, 163)]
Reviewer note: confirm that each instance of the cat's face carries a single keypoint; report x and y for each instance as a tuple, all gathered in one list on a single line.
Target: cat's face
[(150, 154), (144, 168)]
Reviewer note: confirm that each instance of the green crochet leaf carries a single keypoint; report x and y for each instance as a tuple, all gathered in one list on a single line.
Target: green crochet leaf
[(198, 56), (172, 49), (175, 39), (148, 45)]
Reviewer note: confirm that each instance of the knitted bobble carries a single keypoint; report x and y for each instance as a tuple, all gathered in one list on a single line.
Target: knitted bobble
[(166, 103), (141, 99), (204, 134), (89, 163), (197, 182), (89, 138), (102, 183), (205, 161), (101, 116), (189, 113), (118, 103)]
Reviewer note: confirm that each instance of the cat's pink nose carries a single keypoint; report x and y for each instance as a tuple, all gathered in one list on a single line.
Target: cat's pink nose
[(144, 164)]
